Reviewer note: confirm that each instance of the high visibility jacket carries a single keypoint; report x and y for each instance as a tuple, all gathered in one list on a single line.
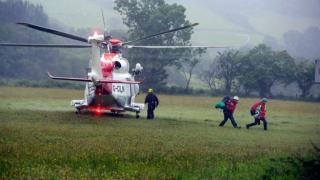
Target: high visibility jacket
[(262, 110), (230, 106)]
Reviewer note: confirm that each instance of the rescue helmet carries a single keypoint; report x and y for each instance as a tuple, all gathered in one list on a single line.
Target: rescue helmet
[(150, 90), (264, 99), (236, 98)]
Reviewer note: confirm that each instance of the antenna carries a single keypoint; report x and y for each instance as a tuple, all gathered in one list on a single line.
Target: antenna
[(105, 34), (104, 23)]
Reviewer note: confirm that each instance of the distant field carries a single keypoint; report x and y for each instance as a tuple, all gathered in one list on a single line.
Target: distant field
[(41, 137)]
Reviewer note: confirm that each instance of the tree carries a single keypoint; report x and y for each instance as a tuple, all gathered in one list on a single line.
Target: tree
[(32, 63), (147, 17), (12, 11), (304, 76), (188, 64), (209, 77), (228, 68), (261, 68)]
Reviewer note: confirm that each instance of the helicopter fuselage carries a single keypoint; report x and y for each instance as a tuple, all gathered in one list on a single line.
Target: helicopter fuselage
[(116, 97)]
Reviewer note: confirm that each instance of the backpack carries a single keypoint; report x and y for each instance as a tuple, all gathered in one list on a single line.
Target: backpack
[(226, 99), (252, 112), (222, 103)]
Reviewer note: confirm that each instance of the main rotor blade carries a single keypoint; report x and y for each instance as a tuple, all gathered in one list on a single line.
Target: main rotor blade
[(46, 45), (173, 47), (52, 31), (165, 32)]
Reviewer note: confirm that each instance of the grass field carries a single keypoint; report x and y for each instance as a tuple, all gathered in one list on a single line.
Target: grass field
[(42, 138)]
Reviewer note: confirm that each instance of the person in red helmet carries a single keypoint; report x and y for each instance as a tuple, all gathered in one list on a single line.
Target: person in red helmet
[(261, 108), (228, 110)]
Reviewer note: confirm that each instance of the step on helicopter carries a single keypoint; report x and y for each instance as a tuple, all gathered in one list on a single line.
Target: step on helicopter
[(110, 84)]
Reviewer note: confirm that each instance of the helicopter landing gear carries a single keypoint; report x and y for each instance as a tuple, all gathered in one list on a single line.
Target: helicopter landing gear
[(137, 115), (77, 111), (114, 113)]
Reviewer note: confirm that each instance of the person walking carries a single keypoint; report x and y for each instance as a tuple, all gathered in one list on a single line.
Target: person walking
[(260, 109), (152, 101), (228, 111)]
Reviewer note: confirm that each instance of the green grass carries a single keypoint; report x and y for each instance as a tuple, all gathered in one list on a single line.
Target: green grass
[(42, 138)]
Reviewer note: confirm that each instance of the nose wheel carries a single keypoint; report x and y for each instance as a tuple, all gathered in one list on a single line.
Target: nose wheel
[(77, 111), (137, 114)]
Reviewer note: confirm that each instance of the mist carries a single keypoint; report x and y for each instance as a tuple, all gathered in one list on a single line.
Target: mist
[(291, 25)]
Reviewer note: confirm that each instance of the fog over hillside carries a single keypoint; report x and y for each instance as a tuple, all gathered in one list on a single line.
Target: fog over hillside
[(254, 17), (221, 20), (227, 22)]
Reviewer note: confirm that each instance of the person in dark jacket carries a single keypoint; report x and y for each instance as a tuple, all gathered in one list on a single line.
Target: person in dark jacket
[(228, 110), (152, 101), (261, 105)]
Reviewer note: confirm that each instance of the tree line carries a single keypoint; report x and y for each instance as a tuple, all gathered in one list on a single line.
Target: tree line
[(33, 63), (257, 70)]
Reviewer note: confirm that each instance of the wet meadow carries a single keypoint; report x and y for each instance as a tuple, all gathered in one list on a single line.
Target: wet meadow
[(42, 138)]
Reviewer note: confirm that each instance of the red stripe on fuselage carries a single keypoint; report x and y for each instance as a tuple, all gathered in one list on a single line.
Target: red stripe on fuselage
[(107, 66)]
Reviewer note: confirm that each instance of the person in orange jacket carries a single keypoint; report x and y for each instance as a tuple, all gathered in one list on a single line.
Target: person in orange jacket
[(230, 106), (262, 113)]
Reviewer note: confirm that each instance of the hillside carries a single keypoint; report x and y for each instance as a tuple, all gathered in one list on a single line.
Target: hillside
[(221, 23)]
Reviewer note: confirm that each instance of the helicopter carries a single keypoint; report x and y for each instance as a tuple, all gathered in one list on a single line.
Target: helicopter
[(110, 84)]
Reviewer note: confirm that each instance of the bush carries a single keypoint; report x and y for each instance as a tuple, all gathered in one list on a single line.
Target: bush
[(2, 83), (297, 166)]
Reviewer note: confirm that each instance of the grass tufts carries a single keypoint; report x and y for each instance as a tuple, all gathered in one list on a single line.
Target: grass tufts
[(42, 138)]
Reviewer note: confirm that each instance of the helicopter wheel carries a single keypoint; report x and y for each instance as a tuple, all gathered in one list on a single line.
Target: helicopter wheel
[(137, 115), (77, 111), (113, 113)]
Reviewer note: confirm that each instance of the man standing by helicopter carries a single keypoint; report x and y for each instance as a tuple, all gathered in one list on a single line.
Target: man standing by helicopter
[(152, 101)]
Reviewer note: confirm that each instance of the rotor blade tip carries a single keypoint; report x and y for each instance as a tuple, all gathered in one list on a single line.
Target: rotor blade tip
[(21, 23), (49, 74)]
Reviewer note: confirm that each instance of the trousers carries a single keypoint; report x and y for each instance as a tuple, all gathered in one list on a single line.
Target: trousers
[(228, 115), (257, 121), (151, 107)]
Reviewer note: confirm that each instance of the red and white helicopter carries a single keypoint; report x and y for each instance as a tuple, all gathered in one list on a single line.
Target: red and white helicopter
[(110, 85)]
